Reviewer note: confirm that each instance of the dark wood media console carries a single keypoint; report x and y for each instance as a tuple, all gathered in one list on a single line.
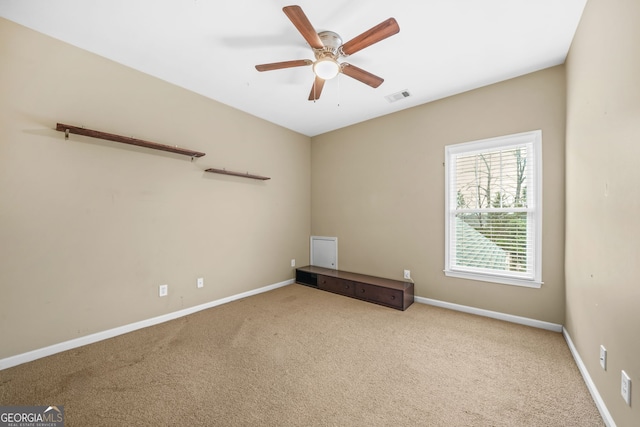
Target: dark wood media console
[(391, 293)]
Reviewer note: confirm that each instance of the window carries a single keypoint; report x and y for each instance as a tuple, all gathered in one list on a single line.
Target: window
[(493, 209)]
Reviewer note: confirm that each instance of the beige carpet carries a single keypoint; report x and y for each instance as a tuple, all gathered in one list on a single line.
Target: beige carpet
[(297, 356)]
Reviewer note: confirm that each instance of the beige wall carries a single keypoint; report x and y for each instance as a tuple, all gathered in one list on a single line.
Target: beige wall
[(603, 198), (379, 187), (89, 229)]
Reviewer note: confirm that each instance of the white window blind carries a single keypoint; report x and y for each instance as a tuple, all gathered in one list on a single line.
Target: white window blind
[(493, 209)]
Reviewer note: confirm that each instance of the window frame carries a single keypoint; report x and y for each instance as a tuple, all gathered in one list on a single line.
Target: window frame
[(532, 138)]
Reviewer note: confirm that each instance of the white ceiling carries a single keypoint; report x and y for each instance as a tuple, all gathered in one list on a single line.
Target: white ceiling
[(210, 47)]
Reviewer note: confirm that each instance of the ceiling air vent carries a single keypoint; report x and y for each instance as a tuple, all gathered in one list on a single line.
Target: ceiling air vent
[(398, 96)]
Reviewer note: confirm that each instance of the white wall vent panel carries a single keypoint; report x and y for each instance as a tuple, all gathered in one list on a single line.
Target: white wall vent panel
[(324, 252)]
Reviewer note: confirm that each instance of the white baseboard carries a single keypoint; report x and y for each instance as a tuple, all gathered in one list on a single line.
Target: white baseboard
[(604, 412), (493, 314), (99, 336)]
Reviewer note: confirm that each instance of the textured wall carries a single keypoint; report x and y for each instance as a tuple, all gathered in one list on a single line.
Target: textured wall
[(603, 198)]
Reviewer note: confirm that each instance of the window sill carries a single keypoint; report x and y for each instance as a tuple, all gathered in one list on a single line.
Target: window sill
[(494, 279)]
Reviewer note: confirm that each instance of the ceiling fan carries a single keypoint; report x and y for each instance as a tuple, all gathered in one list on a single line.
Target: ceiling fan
[(328, 47)]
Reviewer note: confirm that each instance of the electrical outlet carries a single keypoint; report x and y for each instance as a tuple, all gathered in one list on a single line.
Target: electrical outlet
[(625, 388), (603, 357), (163, 290), (293, 263), (200, 282), (407, 274)]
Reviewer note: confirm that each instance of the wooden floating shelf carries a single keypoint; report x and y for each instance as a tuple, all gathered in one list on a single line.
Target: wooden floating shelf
[(126, 140), (243, 175)]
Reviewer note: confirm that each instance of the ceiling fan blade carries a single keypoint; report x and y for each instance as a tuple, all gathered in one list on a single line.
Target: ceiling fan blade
[(361, 75), (316, 89), (301, 22), (374, 35), (285, 64)]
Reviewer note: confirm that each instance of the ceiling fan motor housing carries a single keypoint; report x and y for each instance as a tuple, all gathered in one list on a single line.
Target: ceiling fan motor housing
[(332, 42)]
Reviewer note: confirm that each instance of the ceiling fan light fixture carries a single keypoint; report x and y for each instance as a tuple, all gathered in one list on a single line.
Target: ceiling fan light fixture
[(326, 68)]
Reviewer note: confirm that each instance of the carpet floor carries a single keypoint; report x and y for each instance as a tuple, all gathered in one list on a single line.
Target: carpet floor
[(297, 356)]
